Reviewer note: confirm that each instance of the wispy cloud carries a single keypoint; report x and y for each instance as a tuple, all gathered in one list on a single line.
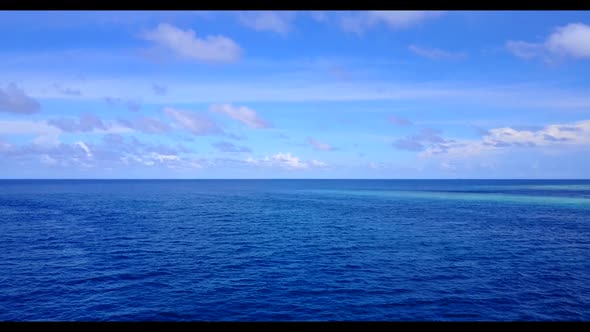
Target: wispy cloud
[(44, 133), (196, 123), (320, 145), (396, 19), (147, 125), (399, 121), (185, 43), (85, 123), (230, 147), (523, 49), (436, 53), (532, 95), (14, 100), (273, 21), (243, 114)]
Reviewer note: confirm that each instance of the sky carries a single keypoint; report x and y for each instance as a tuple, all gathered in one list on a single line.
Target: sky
[(306, 94)]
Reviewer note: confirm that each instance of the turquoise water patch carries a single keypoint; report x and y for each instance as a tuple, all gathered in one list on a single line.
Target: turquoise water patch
[(576, 202)]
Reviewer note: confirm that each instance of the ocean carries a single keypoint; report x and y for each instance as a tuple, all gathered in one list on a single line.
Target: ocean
[(294, 250)]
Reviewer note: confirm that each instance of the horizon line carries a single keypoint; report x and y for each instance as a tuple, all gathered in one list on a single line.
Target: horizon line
[(258, 179)]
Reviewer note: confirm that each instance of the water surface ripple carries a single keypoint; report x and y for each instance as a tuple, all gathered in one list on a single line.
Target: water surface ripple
[(294, 250)]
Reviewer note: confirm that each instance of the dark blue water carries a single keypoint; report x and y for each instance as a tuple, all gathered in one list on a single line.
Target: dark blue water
[(290, 250)]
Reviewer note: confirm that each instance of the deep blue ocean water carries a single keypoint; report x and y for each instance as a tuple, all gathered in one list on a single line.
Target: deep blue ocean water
[(294, 250)]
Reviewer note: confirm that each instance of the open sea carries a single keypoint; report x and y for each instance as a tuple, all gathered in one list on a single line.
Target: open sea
[(294, 250)]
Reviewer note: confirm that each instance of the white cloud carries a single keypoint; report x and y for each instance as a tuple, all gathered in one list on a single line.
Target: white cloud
[(14, 100), (243, 114), (196, 123), (185, 44), (287, 160), (571, 40), (436, 53), (85, 147), (397, 19), (320, 145), (277, 22)]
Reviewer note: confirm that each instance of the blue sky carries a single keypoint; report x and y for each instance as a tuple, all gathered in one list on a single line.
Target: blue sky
[(309, 94)]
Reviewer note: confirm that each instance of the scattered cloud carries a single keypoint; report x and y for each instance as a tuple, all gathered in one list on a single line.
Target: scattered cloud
[(243, 114), (230, 147), (498, 139), (274, 21), (113, 151), (212, 49), (399, 121), (395, 19), (572, 40), (160, 90), (320, 145), (436, 53), (14, 100), (196, 123), (147, 125), (77, 154)]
